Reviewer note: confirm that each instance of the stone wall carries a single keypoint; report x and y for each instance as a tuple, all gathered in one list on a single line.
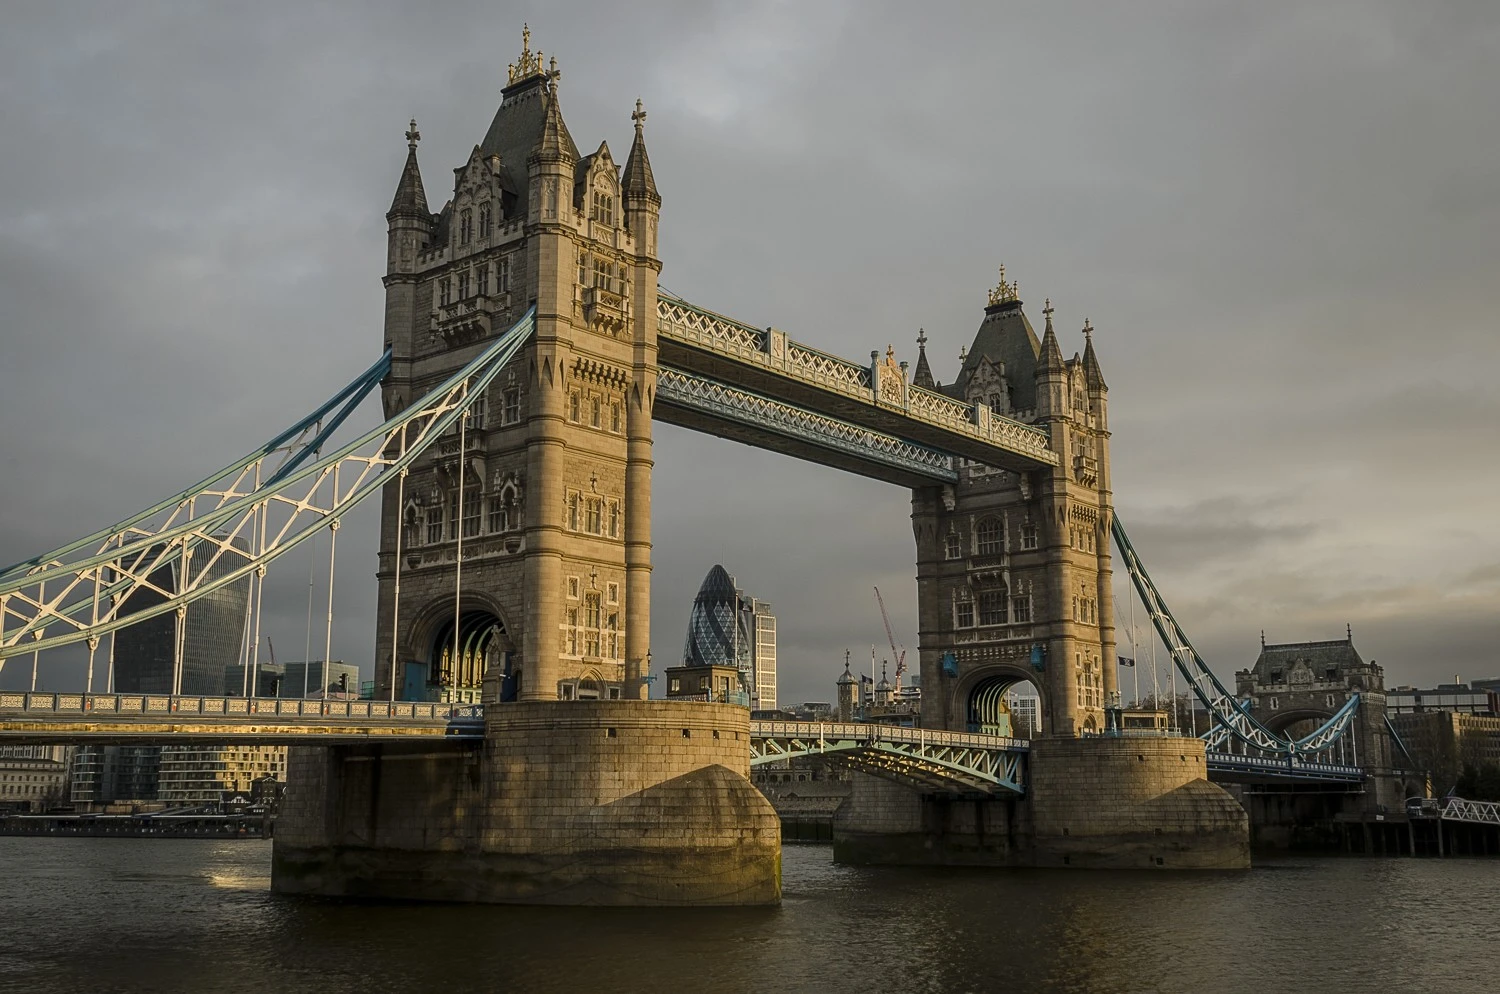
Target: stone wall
[(1090, 803), (609, 802)]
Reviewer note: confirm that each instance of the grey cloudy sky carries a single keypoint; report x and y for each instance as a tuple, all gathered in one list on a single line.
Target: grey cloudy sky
[(1284, 220)]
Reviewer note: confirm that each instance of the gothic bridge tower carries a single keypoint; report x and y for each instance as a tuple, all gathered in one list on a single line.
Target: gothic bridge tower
[(524, 536), (1013, 568)]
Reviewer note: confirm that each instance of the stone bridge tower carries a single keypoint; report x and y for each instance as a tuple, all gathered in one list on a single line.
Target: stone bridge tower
[(524, 537), (1013, 568)]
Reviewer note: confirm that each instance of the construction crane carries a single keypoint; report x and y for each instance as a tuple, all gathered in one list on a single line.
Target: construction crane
[(899, 654)]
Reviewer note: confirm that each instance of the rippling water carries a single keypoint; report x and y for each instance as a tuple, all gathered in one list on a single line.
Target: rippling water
[(197, 915)]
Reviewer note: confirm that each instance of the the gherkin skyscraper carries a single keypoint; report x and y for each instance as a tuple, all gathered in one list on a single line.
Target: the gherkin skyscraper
[(729, 628)]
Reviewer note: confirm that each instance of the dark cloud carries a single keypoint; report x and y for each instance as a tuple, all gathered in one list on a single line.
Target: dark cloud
[(1282, 220)]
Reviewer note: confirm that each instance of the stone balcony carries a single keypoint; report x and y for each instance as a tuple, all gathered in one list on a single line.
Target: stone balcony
[(604, 310), (470, 319)]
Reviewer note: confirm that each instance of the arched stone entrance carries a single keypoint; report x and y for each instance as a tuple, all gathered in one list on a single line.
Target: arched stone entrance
[(463, 653)]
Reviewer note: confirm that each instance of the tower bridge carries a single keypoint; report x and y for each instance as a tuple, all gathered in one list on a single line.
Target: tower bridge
[(528, 349)]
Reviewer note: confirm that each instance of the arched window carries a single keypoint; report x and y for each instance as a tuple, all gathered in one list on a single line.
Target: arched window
[(465, 226), (951, 546), (963, 608), (484, 220), (992, 607), (989, 536)]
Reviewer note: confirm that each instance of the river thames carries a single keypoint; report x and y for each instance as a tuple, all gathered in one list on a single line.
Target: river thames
[(128, 915)]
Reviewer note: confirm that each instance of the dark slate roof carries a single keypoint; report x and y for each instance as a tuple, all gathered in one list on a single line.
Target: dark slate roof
[(516, 129), (638, 180), (1004, 336), (409, 193), (1320, 656), (922, 375), (1091, 366)]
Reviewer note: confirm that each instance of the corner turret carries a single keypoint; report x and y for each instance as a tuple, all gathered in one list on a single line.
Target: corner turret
[(409, 221)]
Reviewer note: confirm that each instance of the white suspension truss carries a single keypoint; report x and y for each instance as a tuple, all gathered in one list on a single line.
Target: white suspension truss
[(236, 522), (1233, 722)]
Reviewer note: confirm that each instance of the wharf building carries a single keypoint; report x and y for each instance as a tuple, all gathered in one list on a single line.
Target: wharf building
[(729, 628), (1445, 731), (32, 778)]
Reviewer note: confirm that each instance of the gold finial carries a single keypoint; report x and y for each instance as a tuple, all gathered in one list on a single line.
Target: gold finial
[(1005, 293), (639, 117), (529, 64), (413, 136)]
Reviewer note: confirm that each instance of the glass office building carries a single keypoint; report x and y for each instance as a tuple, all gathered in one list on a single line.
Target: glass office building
[(729, 628)]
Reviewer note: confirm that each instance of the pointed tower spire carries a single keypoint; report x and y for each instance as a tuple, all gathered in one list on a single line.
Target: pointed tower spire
[(1091, 371), (555, 140), (922, 376), (410, 198), (639, 183), (1051, 358)]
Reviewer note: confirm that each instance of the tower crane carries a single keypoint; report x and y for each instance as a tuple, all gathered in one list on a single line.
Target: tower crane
[(899, 654)]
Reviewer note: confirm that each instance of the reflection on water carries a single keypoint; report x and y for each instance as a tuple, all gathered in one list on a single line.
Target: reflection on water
[(196, 915)]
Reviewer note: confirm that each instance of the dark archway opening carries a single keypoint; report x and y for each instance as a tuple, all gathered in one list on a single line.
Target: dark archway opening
[(1005, 705), (461, 659)]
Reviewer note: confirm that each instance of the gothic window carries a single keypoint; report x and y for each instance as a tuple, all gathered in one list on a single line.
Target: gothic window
[(484, 220), (434, 525), (592, 511), (1275, 704), (603, 209), (965, 610), (594, 411), (502, 275), (951, 546), (510, 406), (988, 535), (463, 285), (572, 631), (452, 515), (583, 269), (612, 590), (472, 509), (614, 519), (992, 607), (591, 624), (573, 407), (445, 291), (465, 226), (484, 280), (1028, 535), (479, 411), (613, 624), (614, 417), (995, 402), (573, 586), (1020, 610), (503, 511)]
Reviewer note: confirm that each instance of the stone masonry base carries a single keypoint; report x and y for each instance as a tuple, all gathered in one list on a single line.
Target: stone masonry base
[(583, 802), (1100, 803)]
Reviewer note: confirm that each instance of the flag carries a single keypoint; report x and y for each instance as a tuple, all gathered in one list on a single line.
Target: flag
[(1126, 661), (866, 678)]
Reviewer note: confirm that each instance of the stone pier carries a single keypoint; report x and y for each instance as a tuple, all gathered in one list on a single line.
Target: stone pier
[(581, 802), (1097, 803)]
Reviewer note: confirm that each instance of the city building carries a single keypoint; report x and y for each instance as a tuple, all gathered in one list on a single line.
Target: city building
[(729, 628), (1444, 743), (1459, 698), (211, 638), (320, 679), (1025, 714), (199, 774), (110, 774), (269, 678), (32, 778)]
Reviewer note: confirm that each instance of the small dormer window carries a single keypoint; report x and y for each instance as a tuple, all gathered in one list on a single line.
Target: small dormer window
[(603, 208), (485, 222), (465, 226)]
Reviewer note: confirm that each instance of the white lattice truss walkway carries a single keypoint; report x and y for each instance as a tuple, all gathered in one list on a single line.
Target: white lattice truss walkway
[(927, 759)]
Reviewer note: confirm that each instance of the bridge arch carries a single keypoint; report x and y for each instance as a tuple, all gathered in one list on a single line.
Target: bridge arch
[(980, 698), (458, 665), (1294, 722)]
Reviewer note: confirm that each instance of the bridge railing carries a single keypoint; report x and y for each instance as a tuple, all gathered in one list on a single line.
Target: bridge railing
[(871, 732), (170, 705)]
